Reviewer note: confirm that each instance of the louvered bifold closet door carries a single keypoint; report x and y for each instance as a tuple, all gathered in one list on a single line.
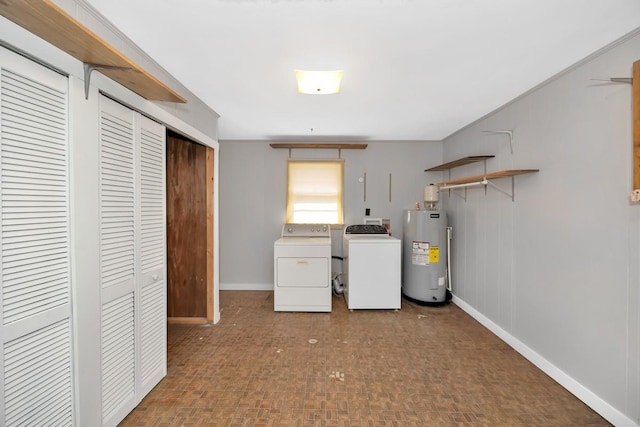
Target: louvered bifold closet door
[(35, 300), (117, 260), (151, 280)]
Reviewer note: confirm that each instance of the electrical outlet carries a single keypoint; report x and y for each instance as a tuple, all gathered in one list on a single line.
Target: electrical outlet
[(635, 196)]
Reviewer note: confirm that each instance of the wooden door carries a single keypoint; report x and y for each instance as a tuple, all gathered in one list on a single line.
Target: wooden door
[(189, 225)]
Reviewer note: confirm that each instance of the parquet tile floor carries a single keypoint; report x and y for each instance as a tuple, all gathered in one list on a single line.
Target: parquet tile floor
[(418, 366)]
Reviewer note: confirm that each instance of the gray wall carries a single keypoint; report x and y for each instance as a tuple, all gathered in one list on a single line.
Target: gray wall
[(557, 269), (253, 179)]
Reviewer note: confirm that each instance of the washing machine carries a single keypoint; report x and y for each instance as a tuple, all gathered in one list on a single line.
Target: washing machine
[(302, 268), (372, 266)]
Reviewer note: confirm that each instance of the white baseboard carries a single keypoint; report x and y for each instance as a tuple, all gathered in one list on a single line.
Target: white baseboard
[(596, 403), (246, 286)]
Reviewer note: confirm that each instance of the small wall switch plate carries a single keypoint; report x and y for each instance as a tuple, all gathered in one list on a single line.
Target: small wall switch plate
[(635, 196)]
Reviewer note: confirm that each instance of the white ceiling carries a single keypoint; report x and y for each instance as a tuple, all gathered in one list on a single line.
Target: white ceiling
[(413, 69)]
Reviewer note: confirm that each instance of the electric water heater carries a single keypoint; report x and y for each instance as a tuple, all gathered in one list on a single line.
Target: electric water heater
[(424, 252)]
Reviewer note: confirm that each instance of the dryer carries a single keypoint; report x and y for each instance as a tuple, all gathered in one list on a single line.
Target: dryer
[(302, 268), (372, 266)]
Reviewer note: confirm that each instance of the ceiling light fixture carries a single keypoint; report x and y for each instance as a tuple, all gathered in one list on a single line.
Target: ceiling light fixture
[(319, 82)]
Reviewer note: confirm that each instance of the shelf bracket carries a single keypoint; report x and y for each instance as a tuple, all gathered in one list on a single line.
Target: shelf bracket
[(463, 197), (504, 132), (88, 68), (627, 80), (511, 195)]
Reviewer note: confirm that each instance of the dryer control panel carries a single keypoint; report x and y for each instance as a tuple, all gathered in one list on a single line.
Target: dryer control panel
[(306, 230)]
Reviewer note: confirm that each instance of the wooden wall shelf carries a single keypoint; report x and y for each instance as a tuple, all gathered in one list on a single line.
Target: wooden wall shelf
[(460, 162), (483, 180), (339, 146), (51, 23), (487, 176)]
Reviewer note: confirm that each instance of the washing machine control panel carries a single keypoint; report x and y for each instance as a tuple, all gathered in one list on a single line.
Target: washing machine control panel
[(306, 230), (366, 229)]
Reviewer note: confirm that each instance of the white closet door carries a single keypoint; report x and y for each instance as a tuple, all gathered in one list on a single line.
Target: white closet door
[(36, 381), (151, 264), (117, 260), (132, 258)]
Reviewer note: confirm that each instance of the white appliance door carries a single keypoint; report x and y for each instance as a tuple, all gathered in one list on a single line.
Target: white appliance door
[(303, 272)]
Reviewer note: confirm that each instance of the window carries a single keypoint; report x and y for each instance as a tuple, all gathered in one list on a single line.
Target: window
[(314, 191)]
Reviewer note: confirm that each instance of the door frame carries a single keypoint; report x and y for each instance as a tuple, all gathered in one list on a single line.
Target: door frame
[(212, 305)]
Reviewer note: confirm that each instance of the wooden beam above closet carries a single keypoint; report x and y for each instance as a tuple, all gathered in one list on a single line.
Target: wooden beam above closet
[(51, 23), (340, 146)]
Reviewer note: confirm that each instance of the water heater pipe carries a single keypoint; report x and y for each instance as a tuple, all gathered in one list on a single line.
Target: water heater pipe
[(468, 184)]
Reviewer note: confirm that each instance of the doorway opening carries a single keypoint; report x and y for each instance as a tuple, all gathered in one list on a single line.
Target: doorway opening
[(190, 283)]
